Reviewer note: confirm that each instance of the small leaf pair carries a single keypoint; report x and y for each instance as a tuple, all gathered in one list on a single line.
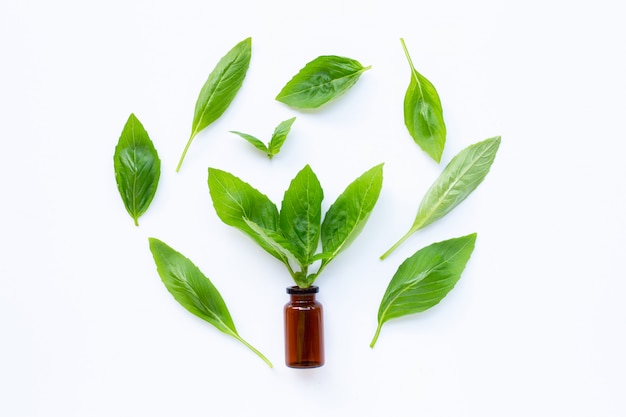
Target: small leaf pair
[(278, 138), (194, 291), (293, 234)]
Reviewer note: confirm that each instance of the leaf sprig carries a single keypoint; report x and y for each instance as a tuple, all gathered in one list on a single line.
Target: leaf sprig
[(276, 142)]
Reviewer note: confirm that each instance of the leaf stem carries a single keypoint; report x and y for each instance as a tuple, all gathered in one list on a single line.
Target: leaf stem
[(252, 348), (408, 57), (380, 326), (325, 262), (292, 272), (398, 243), (180, 162)]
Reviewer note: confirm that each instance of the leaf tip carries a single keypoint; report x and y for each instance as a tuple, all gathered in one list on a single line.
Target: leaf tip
[(133, 119), (153, 243), (495, 140)]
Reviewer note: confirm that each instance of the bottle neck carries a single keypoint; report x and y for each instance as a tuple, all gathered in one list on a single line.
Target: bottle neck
[(302, 295), (302, 298)]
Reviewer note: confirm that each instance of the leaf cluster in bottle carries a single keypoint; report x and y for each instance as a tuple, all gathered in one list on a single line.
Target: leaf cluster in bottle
[(294, 233)]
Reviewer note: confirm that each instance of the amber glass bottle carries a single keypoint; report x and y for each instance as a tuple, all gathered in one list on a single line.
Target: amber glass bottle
[(304, 329)]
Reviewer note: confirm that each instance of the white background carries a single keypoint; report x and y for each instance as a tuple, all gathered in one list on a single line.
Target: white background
[(536, 324)]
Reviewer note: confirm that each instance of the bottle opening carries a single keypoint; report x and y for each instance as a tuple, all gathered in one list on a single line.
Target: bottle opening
[(297, 290)]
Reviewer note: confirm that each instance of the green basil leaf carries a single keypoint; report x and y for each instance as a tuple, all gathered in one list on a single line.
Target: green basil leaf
[(220, 89), (321, 80), (235, 201), (301, 214), (423, 114), (459, 178), (276, 241), (194, 291), (347, 216), (254, 141), (279, 136), (424, 279), (137, 168)]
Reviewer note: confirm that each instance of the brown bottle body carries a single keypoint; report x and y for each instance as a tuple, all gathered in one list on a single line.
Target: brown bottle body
[(304, 329)]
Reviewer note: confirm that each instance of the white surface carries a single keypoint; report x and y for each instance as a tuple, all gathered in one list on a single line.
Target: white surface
[(535, 325)]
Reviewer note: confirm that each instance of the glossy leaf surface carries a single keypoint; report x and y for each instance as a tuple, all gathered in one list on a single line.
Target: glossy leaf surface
[(236, 201), (277, 241), (424, 279), (423, 113), (347, 216), (137, 168), (194, 291), (320, 81), (280, 136), (457, 181), (220, 89), (301, 214)]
